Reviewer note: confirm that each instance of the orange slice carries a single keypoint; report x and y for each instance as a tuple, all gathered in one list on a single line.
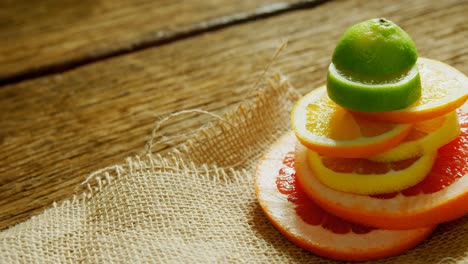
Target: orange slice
[(329, 129), (307, 225), (444, 89), (441, 196), (362, 176), (424, 137)]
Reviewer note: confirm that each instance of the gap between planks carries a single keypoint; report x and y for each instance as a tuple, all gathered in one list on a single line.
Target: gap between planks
[(160, 38)]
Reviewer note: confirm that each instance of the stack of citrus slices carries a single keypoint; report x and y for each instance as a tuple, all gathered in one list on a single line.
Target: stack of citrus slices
[(377, 158)]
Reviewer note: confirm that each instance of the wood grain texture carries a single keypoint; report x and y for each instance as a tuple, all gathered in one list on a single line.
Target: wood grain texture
[(57, 129), (40, 37)]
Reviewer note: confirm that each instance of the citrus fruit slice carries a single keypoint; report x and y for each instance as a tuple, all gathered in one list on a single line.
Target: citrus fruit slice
[(307, 225), (444, 89), (362, 176), (441, 196), (373, 68), (372, 94), (329, 129), (375, 47), (426, 136)]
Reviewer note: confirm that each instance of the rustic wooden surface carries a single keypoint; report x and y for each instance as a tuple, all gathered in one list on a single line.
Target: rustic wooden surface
[(40, 37), (56, 129)]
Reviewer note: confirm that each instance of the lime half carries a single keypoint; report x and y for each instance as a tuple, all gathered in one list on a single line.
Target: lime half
[(374, 68), (373, 97)]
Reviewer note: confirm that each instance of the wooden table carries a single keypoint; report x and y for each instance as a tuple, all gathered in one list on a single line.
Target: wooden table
[(82, 82)]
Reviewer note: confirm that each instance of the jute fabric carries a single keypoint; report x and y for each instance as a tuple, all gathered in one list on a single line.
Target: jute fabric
[(195, 204)]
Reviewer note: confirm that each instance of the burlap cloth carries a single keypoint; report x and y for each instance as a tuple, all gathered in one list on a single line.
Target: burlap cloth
[(194, 205)]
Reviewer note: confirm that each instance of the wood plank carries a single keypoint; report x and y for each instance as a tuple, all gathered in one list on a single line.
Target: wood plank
[(40, 37), (57, 129)]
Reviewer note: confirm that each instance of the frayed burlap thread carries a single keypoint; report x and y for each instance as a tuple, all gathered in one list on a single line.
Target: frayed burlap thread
[(194, 205)]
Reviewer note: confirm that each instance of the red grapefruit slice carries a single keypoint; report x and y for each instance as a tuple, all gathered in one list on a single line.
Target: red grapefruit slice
[(307, 225), (441, 196)]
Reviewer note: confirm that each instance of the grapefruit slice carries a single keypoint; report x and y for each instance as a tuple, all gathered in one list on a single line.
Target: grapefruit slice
[(307, 225), (329, 129), (363, 176), (443, 90), (424, 137), (442, 196)]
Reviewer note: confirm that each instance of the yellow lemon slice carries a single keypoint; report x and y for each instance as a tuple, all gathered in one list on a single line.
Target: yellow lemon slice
[(366, 177), (425, 136)]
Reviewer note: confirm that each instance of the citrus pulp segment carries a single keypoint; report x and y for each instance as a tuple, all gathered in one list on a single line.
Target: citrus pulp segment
[(451, 163), (365, 177), (442, 196), (310, 227), (329, 129), (425, 137), (443, 89)]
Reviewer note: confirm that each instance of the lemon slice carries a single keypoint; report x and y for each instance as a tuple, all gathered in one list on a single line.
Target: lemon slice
[(366, 177), (425, 136)]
